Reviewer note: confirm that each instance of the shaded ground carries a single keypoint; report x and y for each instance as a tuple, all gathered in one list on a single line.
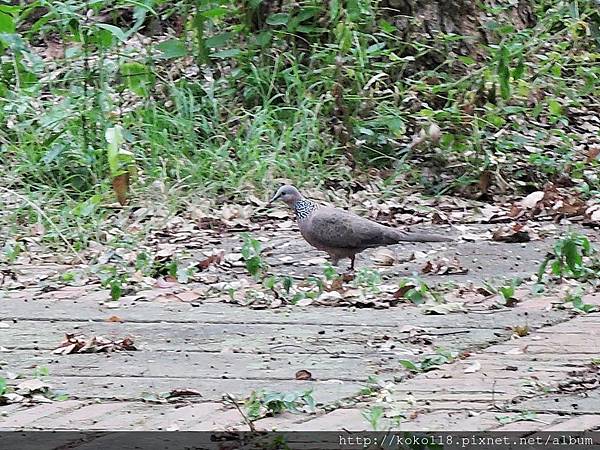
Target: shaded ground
[(203, 342)]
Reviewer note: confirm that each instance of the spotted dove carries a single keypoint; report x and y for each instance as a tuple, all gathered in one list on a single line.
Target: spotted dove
[(340, 233)]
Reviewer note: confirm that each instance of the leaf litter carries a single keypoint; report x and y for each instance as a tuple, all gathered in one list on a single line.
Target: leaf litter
[(95, 344)]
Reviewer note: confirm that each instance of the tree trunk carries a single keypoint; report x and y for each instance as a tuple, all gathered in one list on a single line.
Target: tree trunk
[(425, 20)]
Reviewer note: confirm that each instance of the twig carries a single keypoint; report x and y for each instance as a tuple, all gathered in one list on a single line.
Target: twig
[(244, 416), (45, 216)]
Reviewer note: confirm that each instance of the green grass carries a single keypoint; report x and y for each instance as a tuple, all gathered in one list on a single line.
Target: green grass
[(309, 97)]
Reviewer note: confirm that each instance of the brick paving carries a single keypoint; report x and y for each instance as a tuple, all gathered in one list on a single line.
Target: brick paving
[(543, 381)]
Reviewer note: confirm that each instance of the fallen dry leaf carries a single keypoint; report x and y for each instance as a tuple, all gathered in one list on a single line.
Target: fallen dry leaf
[(114, 319), (96, 344), (521, 330), (444, 266), (443, 308), (305, 302), (120, 185), (474, 367), (384, 257), (165, 283), (183, 393), (512, 234), (211, 260), (593, 153), (532, 200), (30, 386), (516, 351), (303, 375), (187, 296)]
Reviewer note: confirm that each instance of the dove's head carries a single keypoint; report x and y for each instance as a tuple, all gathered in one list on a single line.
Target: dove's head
[(288, 194)]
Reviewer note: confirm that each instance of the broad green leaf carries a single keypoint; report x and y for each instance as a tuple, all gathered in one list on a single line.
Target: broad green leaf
[(466, 60), (263, 39), (496, 120), (139, 14), (306, 13), (173, 48), (573, 257), (278, 19), (7, 23), (118, 158), (410, 365), (115, 31), (334, 10), (224, 54), (115, 289), (353, 10), (214, 13), (387, 27), (554, 107), (137, 77), (218, 40), (10, 10)]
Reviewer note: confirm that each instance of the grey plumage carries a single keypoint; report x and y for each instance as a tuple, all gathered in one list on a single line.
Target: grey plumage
[(340, 233)]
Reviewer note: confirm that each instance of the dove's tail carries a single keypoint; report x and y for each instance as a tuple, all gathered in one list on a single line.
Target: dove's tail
[(409, 236)]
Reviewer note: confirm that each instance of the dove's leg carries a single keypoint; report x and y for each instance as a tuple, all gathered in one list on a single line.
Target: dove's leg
[(352, 258)]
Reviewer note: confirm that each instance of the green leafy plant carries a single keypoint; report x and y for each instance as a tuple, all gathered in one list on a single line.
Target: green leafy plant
[(40, 372), (372, 387), (368, 278), (373, 415), (280, 286), (567, 257), (261, 402), (431, 362), (251, 253), (329, 272), (111, 278), (417, 291), (522, 416), (506, 292), (576, 299)]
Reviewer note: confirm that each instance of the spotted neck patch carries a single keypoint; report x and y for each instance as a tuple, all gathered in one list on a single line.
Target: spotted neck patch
[(304, 208)]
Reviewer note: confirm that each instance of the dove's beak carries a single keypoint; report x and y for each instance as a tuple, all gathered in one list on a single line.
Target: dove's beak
[(275, 197)]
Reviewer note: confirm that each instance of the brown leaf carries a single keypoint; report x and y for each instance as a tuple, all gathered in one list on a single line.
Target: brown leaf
[(401, 292), (485, 180), (120, 185), (336, 285), (114, 319), (96, 344), (511, 234), (183, 393), (384, 257), (187, 296), (532, 199), (164, 283), (593, 153), (212, 259), (444, 266), (303, 375), (521, 330)]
